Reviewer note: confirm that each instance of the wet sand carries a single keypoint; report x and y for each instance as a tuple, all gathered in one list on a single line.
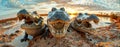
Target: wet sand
[(11, 36)]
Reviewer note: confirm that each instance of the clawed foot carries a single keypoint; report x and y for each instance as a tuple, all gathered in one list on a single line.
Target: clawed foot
[(45, 35), (24, 39)]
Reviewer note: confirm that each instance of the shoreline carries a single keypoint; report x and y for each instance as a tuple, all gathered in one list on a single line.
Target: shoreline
[(8, 19)]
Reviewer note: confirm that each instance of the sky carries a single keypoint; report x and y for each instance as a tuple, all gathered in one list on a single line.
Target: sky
[(43, 6)]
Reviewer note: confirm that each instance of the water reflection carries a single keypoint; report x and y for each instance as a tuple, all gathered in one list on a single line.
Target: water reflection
[(104, 19)]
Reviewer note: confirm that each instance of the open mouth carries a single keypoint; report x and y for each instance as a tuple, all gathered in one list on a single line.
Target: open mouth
[(58, 25), (58, 28)]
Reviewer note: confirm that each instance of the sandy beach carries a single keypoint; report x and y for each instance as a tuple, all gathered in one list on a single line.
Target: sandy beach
[(13, 34)]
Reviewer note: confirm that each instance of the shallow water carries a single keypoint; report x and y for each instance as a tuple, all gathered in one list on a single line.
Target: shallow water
[(103, 22), (16, 42)]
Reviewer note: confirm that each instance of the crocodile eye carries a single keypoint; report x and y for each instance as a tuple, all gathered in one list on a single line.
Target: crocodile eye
[(79, 21), (53, 9), (80, 14), (63, 9)]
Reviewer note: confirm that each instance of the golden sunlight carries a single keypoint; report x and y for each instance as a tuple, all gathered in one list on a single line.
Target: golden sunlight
[(72, 12)]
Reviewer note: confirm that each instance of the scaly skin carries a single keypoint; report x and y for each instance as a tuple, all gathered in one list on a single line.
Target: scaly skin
[(33, 26), (82, 24), (58, 22)]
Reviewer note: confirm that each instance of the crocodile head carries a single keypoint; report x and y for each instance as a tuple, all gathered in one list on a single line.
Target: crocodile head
[(58, 22), (22, 14), (84, 19)]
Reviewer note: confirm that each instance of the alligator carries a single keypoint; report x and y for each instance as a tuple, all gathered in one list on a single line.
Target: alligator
[(58, 23), (82, 24), (33, 25)]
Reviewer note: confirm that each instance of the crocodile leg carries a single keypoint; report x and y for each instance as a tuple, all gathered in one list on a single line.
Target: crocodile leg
[(46, 33), (25, 37)]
